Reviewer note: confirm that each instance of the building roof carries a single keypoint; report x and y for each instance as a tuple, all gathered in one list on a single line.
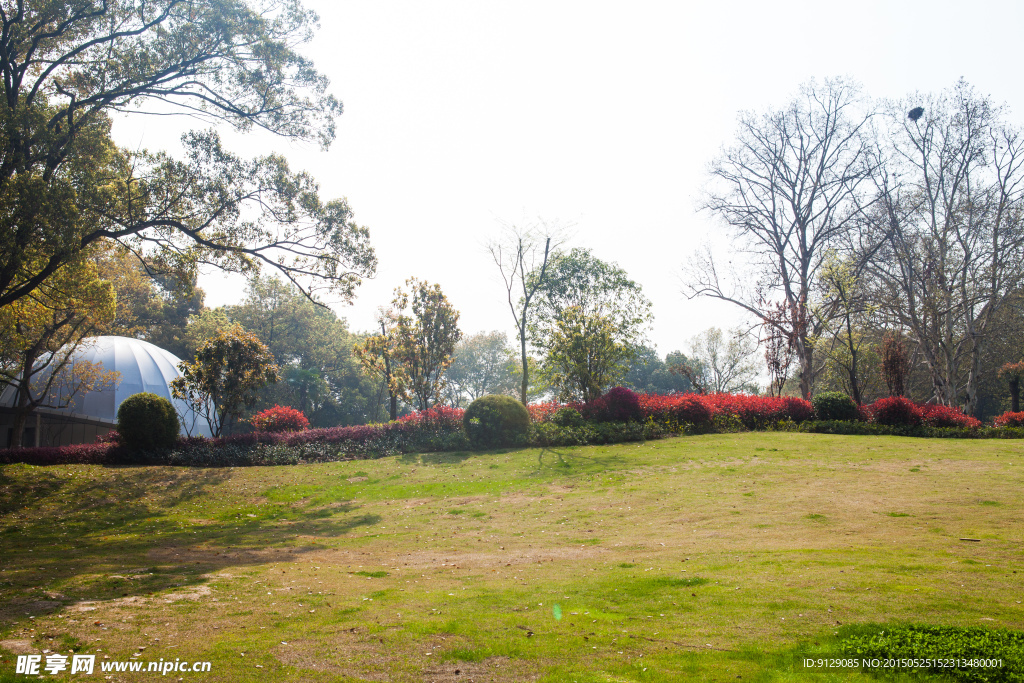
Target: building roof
[(144, 367)]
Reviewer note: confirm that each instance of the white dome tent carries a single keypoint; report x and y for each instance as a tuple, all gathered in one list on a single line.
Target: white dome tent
[(143, 367)]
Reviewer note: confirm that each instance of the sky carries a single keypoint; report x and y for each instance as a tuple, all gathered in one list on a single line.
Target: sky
[(602, 117)]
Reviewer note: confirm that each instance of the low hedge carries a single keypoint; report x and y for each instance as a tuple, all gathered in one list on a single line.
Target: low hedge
[(941, 645)]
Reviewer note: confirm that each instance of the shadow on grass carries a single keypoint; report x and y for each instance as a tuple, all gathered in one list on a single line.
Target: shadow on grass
[(562, 461), (70, 537)]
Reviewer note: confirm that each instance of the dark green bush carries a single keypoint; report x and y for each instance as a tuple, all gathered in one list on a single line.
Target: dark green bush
[(941, 645), (567, 417), (834, 405), (147, 422), (492, 421)]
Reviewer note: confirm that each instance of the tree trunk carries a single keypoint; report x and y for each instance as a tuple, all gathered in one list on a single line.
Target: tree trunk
[(526, 368), (1014, 395)]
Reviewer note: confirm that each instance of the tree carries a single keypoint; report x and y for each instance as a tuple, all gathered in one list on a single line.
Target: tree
[(68, 66), (789, 189), (228, 371), (483, 364), (843, 291), (40, 336), (426, 338), (379, 355), (581, 280), (647, 373), (724, 365), (584, 358), (313, 349), (950, 220), (523, 264)]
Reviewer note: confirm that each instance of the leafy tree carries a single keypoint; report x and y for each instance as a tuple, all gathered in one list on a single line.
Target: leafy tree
[(426, 331), (40, 335), (68, 66), (228, 371), (313, 349), (647, 373), (581, 280), (483, 364), (379, 355), (523, 263), (584, 358)]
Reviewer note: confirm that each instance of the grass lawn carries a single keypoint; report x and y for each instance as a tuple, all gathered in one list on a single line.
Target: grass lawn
[(716, 557)]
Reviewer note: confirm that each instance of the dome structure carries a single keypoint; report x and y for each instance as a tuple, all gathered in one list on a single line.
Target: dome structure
[(143, 367)]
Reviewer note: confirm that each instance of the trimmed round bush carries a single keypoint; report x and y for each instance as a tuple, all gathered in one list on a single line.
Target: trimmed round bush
[(567, 417), (896, 411), (147, 422), (835, 405), (496, 421)]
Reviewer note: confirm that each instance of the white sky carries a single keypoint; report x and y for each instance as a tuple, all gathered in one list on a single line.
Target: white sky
[(603, 115)]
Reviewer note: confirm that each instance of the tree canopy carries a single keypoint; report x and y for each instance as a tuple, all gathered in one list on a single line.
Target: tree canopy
[(69, 65)]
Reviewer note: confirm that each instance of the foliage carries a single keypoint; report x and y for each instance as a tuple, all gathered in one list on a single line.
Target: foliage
[(40, 337), (71, 66), (677, 412), (425, 332), (618, 405), (548, 434), (147, 422), (482, 364), (942, 645), (228, 371), (833, 405), (584, 357), (567, 417), (895, 411), (579, 280), (496, 421), (320, 376), (279, 419), (1010, 419), (543, 412), (649, 374), (947, 416)]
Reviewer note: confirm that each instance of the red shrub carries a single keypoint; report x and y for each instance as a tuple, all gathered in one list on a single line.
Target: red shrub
[(542, 412), (618, 405), (947, 416), (896, 411), (759, 412), (1010, 420), (436, 417), (76, 454), (279, 419)]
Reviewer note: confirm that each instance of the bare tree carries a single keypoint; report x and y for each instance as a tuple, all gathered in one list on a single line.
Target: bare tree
[(952, 212), (789, 189), (522, 256), (724, 364)]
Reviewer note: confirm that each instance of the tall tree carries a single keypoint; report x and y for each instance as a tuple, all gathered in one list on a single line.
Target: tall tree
[(789, 189), (228, 371), (952, 219), (427, 330), (579, 279), (584, 356), (68, 66), (378, 354), (522, 256)]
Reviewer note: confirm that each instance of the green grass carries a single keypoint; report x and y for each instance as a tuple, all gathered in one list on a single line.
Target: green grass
[(700, 558)]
